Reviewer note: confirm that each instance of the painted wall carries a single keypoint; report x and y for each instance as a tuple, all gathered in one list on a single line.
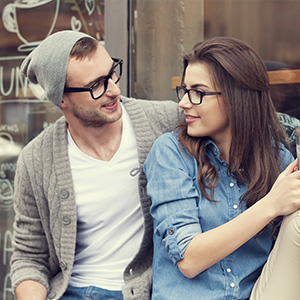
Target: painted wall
[(164, 31)]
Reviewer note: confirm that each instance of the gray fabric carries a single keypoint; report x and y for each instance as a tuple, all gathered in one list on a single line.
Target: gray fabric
[(47, 64), (290, 124), (45, 225)]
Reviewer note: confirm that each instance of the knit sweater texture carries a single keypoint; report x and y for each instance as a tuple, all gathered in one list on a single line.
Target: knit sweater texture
[(45, 222)]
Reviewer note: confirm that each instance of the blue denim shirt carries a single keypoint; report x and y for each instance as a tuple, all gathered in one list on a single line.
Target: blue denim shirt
[(180, 212)]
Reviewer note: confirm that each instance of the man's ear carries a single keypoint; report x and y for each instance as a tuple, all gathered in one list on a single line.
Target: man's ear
[(63, 103)]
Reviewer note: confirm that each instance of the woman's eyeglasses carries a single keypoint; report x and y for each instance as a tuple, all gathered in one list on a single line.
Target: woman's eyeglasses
[(195, 96)]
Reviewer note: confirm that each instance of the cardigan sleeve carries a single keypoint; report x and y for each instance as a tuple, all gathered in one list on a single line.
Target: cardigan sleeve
[(30, 257)]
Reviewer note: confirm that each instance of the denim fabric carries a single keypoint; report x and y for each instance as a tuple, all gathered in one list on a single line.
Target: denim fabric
[(90, 293), (180, 212)]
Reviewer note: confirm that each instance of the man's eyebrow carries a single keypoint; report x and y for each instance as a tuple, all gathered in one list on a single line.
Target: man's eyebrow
[(93, 81), (99, 78)]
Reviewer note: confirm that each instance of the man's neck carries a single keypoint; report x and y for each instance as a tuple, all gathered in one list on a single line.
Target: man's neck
[(98, 142)]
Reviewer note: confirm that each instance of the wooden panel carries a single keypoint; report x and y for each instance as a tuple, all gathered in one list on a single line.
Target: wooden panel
[(176, 81), (284, 76), (275, 77)]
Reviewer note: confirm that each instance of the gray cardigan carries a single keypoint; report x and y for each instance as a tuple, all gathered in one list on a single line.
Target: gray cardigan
[(45, 223)]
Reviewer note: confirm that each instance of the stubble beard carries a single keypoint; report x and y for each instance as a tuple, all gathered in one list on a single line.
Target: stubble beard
[(94, 119)]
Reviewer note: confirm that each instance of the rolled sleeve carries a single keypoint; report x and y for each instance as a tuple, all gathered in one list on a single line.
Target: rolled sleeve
[(177, 231), (171, 176)]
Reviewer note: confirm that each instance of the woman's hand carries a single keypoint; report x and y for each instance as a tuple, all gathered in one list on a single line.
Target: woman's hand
[(284, 196)]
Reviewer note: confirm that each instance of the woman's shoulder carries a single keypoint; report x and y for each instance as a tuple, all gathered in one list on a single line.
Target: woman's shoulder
[(169, 147), (167, 140), (168, 155)]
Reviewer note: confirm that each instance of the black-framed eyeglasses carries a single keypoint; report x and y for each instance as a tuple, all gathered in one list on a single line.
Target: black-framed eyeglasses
[(195, 96), (99, 87)]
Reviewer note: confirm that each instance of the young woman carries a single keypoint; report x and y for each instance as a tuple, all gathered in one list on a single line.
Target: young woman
[(217, 196)]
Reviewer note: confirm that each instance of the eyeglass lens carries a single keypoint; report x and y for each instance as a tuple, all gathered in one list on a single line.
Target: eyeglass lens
[(194, 96), (100, 86)]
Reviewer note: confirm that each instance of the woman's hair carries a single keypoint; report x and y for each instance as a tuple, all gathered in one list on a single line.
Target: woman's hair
[(240, 74), (83, 48)]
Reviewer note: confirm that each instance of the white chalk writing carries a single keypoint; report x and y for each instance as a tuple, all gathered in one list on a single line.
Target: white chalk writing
[(9, 127), (7, 289), (16, 84), (7, 250)]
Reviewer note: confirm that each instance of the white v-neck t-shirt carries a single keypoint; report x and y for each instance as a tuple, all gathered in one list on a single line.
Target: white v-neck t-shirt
[(110, 220)]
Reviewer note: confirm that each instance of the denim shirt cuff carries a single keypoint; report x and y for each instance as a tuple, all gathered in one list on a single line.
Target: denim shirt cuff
[(178, 238)]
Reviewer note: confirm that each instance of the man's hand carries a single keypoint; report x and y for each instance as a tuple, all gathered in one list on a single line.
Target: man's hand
[(31, 290)]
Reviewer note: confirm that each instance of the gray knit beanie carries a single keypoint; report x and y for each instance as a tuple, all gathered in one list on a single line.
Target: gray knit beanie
[(47, 64)]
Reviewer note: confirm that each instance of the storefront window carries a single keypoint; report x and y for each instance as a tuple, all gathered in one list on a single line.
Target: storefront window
[(271, 27), (23, 110)]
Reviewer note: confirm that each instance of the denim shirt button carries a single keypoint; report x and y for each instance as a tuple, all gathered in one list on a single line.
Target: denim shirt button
[(228, 270), (235, 206), (232, 284), (231, 184), (171, 231)]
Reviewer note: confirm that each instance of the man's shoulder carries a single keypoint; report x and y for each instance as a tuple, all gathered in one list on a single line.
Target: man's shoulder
[(167, 110), (53, 131), (290, 124), (152, 118), (288, 121), (157, 104)]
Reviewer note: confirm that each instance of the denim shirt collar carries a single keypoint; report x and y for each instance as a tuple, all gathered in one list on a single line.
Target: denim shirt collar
[(214, 154)]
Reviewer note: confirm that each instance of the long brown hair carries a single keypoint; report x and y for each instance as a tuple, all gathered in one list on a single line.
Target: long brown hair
[(241, 76)]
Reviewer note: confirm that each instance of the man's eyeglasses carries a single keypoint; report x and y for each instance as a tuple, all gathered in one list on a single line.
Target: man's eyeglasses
[(99, 87), (195, 96)]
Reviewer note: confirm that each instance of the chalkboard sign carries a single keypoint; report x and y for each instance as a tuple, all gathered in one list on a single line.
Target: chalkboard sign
[(24, 113)]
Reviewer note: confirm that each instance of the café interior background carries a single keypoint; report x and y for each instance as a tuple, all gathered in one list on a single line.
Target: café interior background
[(151, 36)]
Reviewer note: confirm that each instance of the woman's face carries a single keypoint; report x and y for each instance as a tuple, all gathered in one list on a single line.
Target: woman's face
[(209, 118)]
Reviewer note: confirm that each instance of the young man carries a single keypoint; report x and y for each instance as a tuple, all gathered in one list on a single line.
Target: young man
[(82, 226)]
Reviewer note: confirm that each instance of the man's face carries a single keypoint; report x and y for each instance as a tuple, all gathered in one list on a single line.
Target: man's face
[(83, 73)]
